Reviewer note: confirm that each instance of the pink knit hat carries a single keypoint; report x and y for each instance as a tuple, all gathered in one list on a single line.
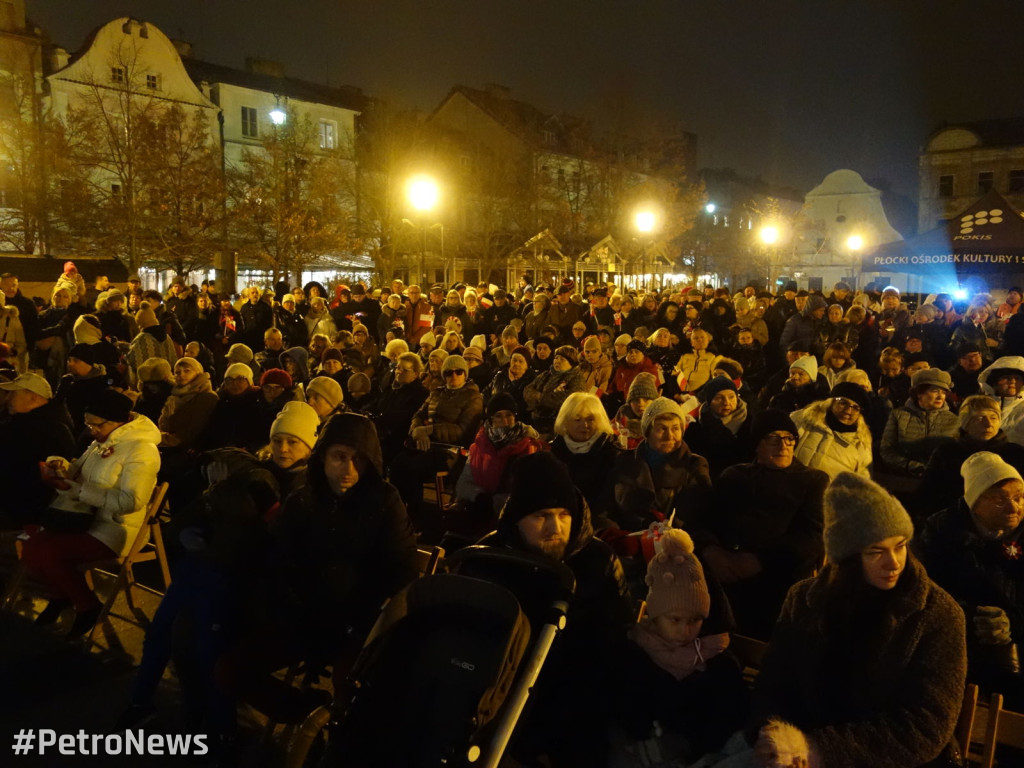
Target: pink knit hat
[(675, 578)]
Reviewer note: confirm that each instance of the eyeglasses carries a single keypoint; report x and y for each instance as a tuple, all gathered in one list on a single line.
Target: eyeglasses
[(272, 387), (1006, 502), (94, 425), (776, 440), (847, 405), (453, 372)]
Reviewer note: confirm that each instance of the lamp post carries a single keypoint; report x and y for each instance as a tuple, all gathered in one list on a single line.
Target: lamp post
[(423, 194), (854, 243), (769, 235), (645, 221)]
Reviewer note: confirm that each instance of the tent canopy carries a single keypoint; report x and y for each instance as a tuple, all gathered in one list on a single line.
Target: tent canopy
[(987, 237)]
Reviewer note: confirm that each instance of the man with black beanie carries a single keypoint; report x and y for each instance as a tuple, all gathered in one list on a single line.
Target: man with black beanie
[(547, 515)]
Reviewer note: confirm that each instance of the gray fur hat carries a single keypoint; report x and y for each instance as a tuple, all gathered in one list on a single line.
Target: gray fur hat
[(859, 513)]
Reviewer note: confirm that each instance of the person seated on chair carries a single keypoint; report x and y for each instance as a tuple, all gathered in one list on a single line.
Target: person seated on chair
[(547, 515), (867, 662), (219, 545), (447, 420), (973, 550), (99, 509), (36, 426), (675, 690), (343, 545), (485, 481)]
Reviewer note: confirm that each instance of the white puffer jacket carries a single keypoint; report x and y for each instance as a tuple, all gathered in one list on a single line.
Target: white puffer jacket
[(820, 447), (118, 477), (1012, 420)]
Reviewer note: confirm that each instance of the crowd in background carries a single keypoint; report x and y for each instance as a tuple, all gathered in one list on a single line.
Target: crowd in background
[(771, 454)]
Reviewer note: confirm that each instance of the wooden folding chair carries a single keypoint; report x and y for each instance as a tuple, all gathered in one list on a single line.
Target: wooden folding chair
[(1004, 727), (427, 559), (749, 652), (964, 729), (148, 545)]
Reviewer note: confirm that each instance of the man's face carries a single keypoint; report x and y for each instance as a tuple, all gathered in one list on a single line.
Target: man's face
[(920, 365), (273, 341), (342, 467), (78, 368), (405, 372), (801, 302), (745, 339), (134, 285), (254, 294), (102, 283), (749, 292), (414, 295), (509, 343), (818, 313), (913, 345), (841, 293), (971, 362), (547, 531), (776, 449), (298, 295), (890, 302), (177, 288), (564, 298), (9, 285), (634, 357), (61, 300), (599, 301), (1001, 507), (1013, 298)]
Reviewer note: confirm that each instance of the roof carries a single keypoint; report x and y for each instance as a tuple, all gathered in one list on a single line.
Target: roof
[(1000, 132), (345, 97)]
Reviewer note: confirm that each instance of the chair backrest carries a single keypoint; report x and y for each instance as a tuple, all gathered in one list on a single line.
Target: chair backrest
[(152, 513), (749, 651), (427, 559), (1004, 727), (965, 723)]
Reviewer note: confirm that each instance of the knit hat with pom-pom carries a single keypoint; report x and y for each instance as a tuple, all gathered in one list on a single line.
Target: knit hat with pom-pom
[(675, 578)]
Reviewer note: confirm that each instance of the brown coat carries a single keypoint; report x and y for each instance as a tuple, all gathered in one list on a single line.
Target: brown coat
[(454, 414)]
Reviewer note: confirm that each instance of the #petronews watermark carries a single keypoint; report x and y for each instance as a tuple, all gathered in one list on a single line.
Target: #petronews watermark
[(31, 741)]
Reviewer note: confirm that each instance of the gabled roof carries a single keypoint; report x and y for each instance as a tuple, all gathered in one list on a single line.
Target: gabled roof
[(345, 97)]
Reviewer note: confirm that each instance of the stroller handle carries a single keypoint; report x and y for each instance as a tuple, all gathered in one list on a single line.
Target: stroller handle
[(517, 558)]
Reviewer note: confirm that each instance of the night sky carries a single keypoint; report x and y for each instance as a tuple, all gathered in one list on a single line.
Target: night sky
[(786, 90)]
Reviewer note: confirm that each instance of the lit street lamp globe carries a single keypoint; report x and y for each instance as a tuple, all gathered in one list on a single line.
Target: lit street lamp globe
[(710, 207), (769, 235), (423, 193), (645, 221), (278, 116), (854, 242)]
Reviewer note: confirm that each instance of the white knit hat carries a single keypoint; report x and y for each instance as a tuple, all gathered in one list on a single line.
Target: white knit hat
[(981, 471), (808, 364), (236, 370), (296, 419), (428, 339), (479, 341)]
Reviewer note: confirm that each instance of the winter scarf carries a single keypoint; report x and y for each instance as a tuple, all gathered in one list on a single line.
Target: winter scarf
[(584, 447), (680, 661)]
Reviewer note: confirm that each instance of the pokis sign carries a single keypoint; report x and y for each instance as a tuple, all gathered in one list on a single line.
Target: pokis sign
[(1001, 259)]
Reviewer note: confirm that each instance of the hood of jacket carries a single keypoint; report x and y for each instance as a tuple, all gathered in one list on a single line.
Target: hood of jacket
[(1012, 362), (158, 332), (581, 533), (353, 430), (815, 413)]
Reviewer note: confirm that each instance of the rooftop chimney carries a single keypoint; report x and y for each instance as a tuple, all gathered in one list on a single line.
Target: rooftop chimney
[(183, 47)]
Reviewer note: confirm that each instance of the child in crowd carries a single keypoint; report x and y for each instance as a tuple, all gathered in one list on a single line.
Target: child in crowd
[(681, 695)]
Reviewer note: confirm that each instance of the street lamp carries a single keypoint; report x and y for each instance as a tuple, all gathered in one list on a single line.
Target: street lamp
[(278, 116), (854, 242), (769, 235), (423, 193), (710, 207), (645, 221)]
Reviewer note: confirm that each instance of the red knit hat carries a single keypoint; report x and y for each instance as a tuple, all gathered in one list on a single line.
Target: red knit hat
[(276, 376)]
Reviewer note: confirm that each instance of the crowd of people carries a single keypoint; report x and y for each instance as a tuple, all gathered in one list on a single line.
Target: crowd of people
[(838, 476)]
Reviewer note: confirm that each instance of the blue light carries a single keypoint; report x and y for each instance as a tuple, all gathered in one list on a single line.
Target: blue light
[(960, 294)]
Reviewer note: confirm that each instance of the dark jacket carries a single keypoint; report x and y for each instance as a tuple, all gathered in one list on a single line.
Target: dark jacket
[(256, 319), (502, 383), (25, 440), (775, 514), (343, 555), (592, 473), (235, 422), (454, 414), (710, 438), (896, 706), (643, 495)]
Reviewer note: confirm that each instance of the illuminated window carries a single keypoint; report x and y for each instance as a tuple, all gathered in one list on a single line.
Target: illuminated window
[(328, 135)]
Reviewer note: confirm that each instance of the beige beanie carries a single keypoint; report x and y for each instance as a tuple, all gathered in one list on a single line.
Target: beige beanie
[(675, 578), (239, 353), (298, 420), (154, 369), (326, 388), (145, 317), (592, 344), (981, 471)]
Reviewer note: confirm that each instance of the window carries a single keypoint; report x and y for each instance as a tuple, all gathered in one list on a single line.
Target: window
[(945, 186), (328, 135), (250, 129), (985, 181), (153, 82), (549, 138), (117, 75), (1016, 181)]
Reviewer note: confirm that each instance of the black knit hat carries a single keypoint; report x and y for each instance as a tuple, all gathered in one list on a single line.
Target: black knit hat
[(768, 421), (502, 401), (83, 352), (110, 405), (637, 344), (716, 385), (851, 391), (540, 481)]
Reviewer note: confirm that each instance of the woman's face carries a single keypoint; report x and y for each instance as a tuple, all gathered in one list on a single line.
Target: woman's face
[(184, 374), (980, 316), (591, 355), (542, 351), (516, 366), (890, 367), (700, 341), (581, 427), (235, 385), (723, 404), (671, 313), (560, 364), (835, 314), (434, 363), (61, 299), (665, 435), (203, 301), (931, 399), (798, 377), (286, 450), (451, 344), (620, 350), (578, 330), (660, 340), (982, 425), (884, 561), (691, 313), (837, 362), (846, 411)]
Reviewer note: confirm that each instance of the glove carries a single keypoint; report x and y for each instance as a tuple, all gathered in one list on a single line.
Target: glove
[(422, 437), (991, 625), (781, 745)]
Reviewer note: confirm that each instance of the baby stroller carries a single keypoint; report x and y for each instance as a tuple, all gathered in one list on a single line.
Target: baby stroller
[(448, 667)]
